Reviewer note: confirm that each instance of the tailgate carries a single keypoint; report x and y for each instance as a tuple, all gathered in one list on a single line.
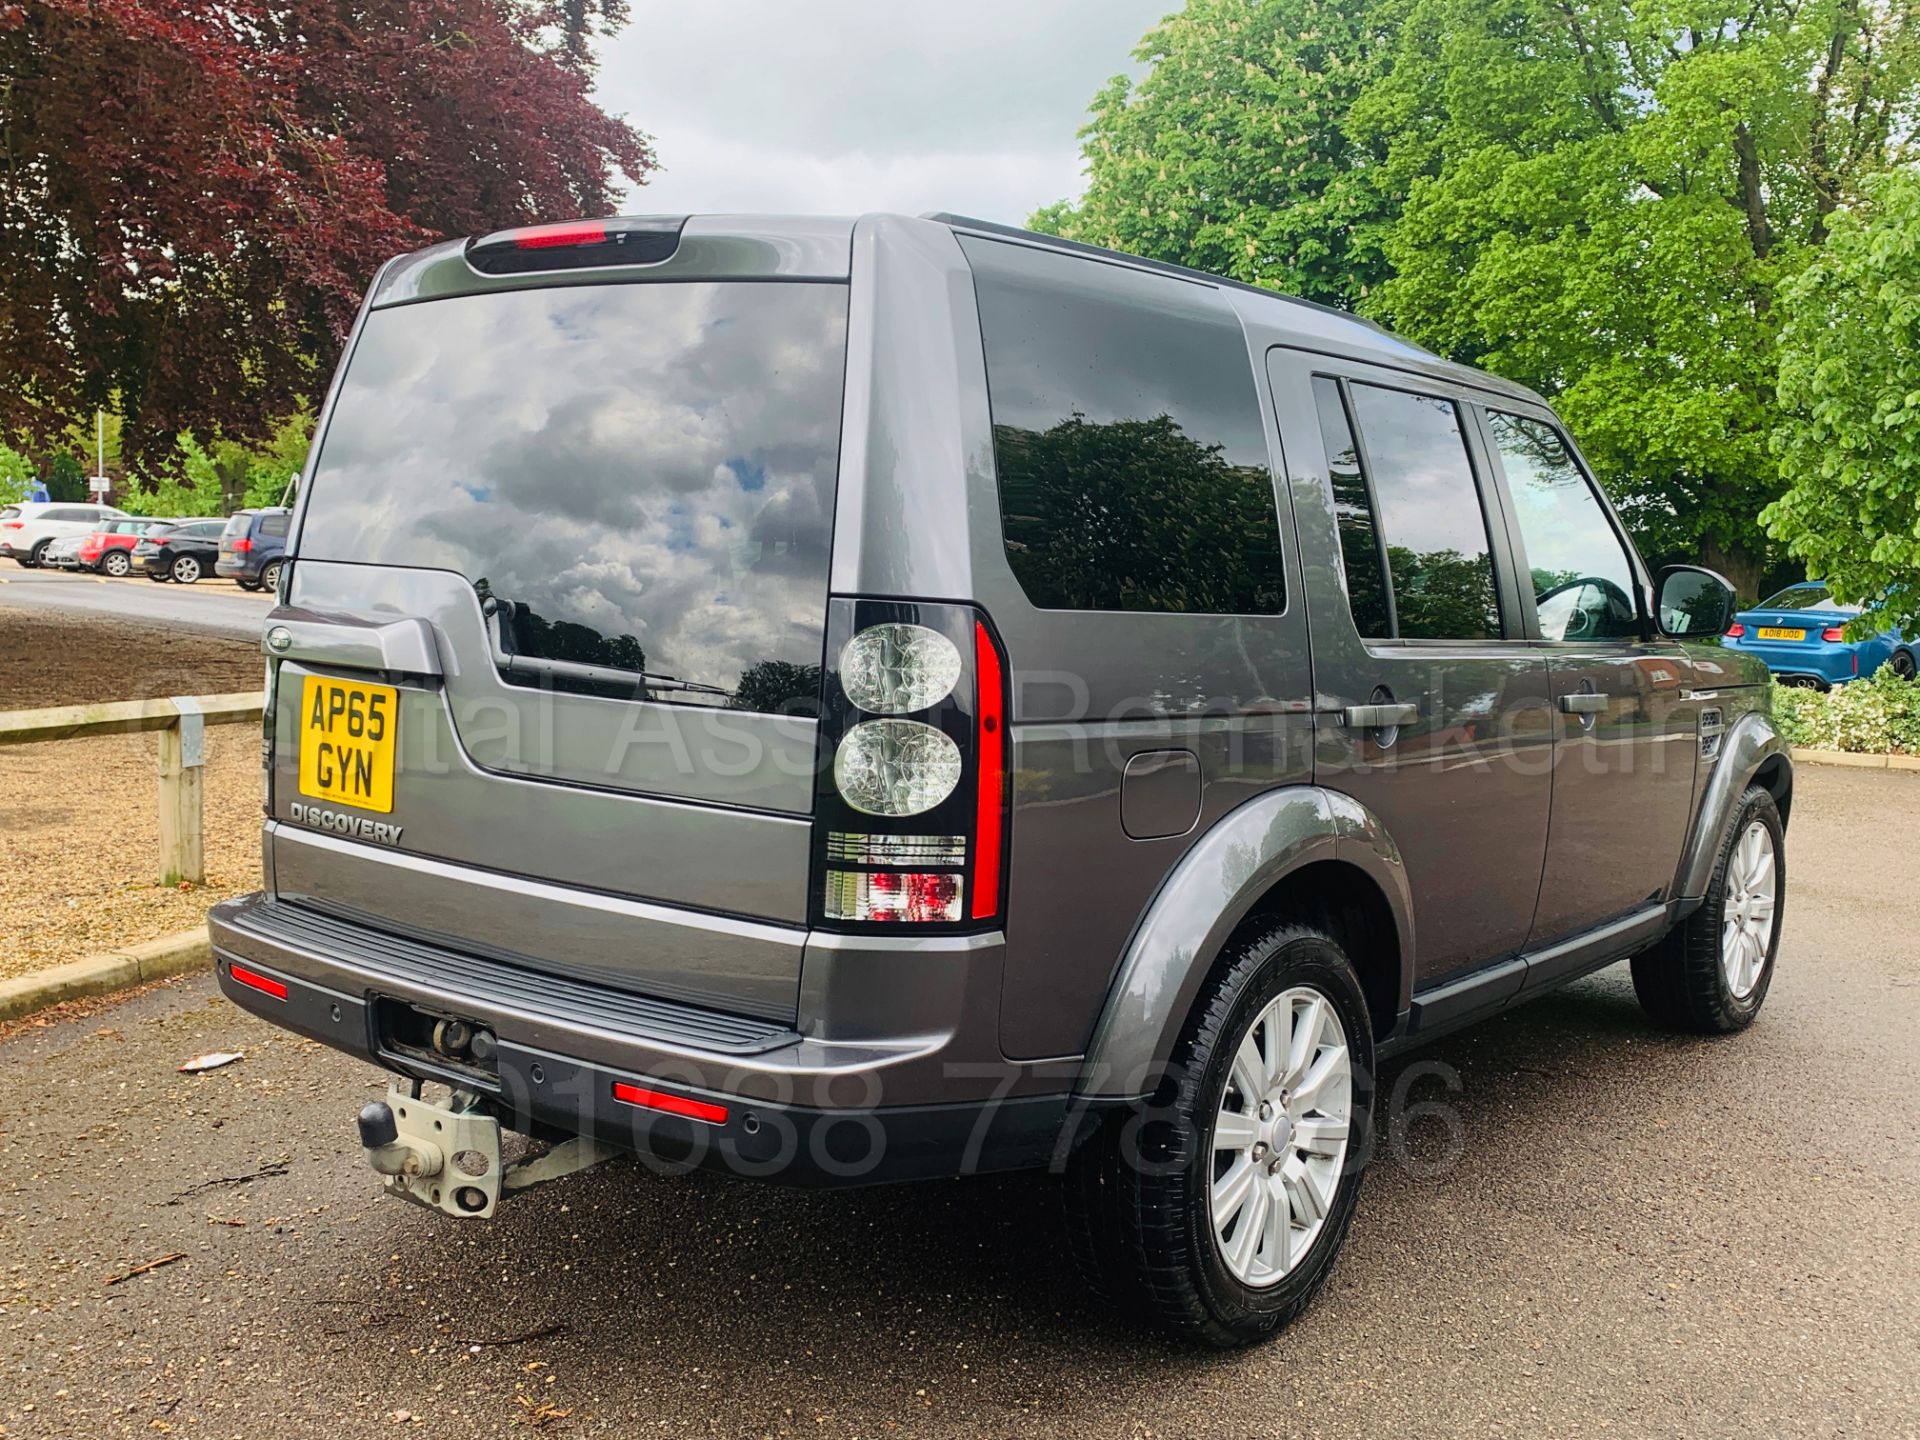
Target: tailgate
[(555, 627)]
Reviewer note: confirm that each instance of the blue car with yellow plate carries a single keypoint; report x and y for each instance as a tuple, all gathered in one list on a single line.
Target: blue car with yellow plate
[(1801, 634)]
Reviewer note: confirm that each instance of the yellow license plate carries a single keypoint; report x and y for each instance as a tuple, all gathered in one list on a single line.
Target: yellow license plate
[(346, 742), (1775, 632)]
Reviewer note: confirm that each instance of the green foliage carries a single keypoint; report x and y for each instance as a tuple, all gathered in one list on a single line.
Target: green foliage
[(1874, 716), (1231, 154), (67, 480), (1849, 439), (187, 486), (16, 476), (1602, 200), (225, 476)]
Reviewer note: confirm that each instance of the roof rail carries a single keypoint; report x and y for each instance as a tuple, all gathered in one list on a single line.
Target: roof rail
[(1141, 262)]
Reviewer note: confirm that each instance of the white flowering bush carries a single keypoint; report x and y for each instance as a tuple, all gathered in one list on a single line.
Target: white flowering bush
[(1873, 716)]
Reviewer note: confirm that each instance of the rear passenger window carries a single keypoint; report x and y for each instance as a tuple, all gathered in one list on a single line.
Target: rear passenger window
[(275, 525), (1425, 507), (1126, 432)]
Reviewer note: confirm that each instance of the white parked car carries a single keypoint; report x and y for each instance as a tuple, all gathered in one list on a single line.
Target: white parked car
[(27, 529)]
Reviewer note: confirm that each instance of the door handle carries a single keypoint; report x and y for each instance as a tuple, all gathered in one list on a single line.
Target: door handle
[(1380, 717), (1584, 703)]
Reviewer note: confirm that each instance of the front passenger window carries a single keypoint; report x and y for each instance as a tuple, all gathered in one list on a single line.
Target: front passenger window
[(1582, 580)]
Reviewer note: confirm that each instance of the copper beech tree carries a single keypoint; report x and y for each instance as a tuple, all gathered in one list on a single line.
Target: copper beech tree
[(195, 193)]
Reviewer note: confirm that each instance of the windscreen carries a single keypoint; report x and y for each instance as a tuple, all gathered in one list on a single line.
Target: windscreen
[(637, 480), (1807, 597)]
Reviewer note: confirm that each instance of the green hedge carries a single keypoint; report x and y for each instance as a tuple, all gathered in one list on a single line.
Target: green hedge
[(1873, 716)]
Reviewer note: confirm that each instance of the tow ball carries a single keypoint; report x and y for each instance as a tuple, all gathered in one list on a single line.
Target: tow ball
[(447, 1157)]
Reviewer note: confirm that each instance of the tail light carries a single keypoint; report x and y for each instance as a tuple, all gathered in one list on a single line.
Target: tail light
[(911, 808), (242, 545), (13, 524), (1734, 632), (1834, 634)]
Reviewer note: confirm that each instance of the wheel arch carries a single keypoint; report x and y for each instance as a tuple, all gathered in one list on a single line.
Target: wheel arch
[(1752, 752), (1297, 851)]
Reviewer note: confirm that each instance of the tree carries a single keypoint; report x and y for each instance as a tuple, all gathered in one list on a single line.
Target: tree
[(1232, 154), (1602, 200), (195, 193), (1849, 439)]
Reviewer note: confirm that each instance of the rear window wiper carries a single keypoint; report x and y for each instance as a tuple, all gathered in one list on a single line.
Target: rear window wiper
[(541, 667)]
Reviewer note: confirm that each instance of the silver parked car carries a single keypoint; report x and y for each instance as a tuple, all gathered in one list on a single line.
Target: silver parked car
[(63, 553), (838, 701)]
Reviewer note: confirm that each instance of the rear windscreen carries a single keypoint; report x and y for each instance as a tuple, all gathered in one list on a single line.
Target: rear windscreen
[(634, 478)]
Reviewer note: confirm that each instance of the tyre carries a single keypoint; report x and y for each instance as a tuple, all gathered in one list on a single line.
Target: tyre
[(1216, 1211), (1711, 972), (270, 577), (247, 584), (116, 563), (37, 556), (185, 569), (1902, 664)]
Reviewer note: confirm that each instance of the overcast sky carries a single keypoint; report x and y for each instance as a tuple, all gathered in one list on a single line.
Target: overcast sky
[(843, 106)]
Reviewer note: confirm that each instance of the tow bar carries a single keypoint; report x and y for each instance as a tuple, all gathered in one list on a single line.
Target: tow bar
[(447, 1157)]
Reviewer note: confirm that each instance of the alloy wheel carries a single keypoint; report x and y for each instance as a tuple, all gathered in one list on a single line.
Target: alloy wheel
[(1746, 918), (116, 562), (1280, 1136), (186, 570)]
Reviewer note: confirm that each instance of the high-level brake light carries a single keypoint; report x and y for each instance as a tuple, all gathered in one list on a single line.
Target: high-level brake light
[(552, 237)]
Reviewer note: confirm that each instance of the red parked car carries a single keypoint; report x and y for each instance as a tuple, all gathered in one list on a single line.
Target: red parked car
[(110, 548)]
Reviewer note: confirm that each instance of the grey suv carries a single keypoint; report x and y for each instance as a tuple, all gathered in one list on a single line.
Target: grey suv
[(839, 701)]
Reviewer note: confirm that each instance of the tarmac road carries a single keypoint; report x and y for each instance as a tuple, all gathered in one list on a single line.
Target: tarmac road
[(209, 604), (1610, 1230)]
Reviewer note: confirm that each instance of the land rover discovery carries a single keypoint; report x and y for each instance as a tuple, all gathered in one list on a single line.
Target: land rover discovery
[(853, 700)]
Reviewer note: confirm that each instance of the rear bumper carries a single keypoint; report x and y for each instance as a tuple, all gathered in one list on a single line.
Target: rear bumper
[(799, 1109), (1825, 663), (231, 569)]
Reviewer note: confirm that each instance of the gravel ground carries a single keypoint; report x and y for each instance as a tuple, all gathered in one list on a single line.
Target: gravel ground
[(1603, 1230), (79, 819), (49, 658)]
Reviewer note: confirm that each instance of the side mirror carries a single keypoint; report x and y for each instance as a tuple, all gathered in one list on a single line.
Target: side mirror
[(1691, 603)]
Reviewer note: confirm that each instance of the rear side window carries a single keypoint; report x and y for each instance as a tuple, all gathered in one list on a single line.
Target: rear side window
[(1132, 464), (275, 525), (1424, 509), (632, 477)]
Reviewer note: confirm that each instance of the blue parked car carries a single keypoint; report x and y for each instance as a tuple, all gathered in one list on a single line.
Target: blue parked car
[(1798, 633)]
